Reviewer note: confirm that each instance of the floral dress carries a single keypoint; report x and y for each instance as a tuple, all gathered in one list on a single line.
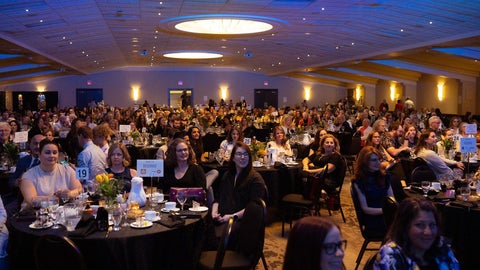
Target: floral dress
[(391, 257)]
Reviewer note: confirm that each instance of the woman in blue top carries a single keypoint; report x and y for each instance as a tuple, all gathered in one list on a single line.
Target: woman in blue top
[(415, 241), (372, 185)]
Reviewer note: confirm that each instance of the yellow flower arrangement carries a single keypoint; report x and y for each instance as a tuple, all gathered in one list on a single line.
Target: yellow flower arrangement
[(108, 186)]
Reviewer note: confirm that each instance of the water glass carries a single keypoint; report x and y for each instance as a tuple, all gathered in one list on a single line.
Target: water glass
[(294, 154), (72, 216), (117, 217), (425, 187), (465, 192)]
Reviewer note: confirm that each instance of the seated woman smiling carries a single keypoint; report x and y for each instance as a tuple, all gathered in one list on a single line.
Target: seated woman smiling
[(49, 178)]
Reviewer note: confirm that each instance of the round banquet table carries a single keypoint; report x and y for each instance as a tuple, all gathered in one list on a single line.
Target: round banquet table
[(156, 247)]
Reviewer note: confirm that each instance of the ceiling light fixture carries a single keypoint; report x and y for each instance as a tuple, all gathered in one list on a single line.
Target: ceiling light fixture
[(193, 55), (221, 24)]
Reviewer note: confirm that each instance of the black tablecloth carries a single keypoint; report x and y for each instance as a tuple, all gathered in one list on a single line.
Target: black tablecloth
[(157, 247)]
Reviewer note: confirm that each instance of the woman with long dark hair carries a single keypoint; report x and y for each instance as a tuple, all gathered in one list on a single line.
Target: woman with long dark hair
[(415, 241)]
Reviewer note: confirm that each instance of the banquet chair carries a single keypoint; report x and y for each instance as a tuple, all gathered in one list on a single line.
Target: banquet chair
[(304, 203), (389, 208), (422, 173), (368, 235), (134, 155), (52, 252), (352, 153), (248, 248)]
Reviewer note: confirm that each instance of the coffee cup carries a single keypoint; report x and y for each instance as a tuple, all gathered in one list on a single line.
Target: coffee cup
[(256, 163), (169, 206), (158, 197), (289, 160), (151, 215), (436, 185)]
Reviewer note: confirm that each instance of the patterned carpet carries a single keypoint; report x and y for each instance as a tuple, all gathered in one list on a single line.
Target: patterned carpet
[(274, 248)]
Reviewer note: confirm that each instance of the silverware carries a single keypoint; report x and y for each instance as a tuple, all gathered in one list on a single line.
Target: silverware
[(110, 228)]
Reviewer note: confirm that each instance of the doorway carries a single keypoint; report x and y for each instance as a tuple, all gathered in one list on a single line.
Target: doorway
[(86, 95), (266, 97), (180, 97)]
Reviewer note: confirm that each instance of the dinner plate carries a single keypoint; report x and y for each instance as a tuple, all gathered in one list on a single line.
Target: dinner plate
[(45, 226), (258, 166), (199, 209), (143, 225), (293, 163), (168, 211)]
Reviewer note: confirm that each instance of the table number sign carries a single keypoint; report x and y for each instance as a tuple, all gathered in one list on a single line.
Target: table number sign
[(82, 173), (471, 129), (468, 145), (150, 167), (247, 141)]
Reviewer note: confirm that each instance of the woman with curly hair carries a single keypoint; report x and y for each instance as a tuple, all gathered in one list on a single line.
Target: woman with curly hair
[(181, 169)]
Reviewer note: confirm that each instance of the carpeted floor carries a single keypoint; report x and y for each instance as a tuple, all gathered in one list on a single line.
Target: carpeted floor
[(274, 248)]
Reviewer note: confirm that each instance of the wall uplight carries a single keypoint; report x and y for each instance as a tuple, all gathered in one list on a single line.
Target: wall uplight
[(135, 93), (358, 92), (440, 91), (308, 93), (223, 92), (393, 93)]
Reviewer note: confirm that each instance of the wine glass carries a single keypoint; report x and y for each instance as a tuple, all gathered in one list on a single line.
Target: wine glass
[(181, 198), (124, 206), (294, 154), (425, 187), (219, 157)]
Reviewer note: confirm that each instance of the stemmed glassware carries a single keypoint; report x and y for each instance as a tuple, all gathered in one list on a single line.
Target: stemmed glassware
[(181, 198), (219, 157), (425, 187), (53, 204), (124, 207), (294, 154)]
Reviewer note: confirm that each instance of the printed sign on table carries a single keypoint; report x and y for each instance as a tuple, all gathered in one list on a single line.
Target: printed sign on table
[(150, 167)]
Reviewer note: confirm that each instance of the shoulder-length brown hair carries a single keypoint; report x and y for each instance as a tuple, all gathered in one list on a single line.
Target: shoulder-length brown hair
[(171, 155), (126, 156), (361, 166), (407, 211), (422, 140), (305, 243)]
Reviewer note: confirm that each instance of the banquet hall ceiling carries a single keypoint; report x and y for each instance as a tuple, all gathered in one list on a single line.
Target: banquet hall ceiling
[(337, 42)]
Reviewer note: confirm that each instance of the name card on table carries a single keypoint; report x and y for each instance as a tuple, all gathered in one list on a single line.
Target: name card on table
[(20, 137), (468, 145), (471, 129), (150, 167), (124, 128)]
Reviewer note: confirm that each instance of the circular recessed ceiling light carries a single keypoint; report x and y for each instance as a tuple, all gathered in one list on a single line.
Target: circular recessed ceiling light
[(193, 55), (221, 24)]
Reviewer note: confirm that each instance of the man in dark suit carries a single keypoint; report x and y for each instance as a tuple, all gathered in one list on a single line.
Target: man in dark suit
[(10, 200)]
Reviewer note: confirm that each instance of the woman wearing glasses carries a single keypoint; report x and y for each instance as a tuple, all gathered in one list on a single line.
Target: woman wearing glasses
[(239, 185), (315, 243), (415, 241), (181, 169)]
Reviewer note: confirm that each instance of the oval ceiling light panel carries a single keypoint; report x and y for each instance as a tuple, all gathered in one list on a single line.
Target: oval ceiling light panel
[(193, 55), (223, 26)]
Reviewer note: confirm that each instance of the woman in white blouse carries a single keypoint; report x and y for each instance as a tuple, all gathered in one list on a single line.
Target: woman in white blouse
[(280, 142), (226, 146)]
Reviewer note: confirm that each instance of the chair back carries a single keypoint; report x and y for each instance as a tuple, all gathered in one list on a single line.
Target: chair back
[(251, 232), (134, 155), (371, 261), (52, 252), (211, 142), (358, 208), (389, 208), (423, 173), (223, 245)]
